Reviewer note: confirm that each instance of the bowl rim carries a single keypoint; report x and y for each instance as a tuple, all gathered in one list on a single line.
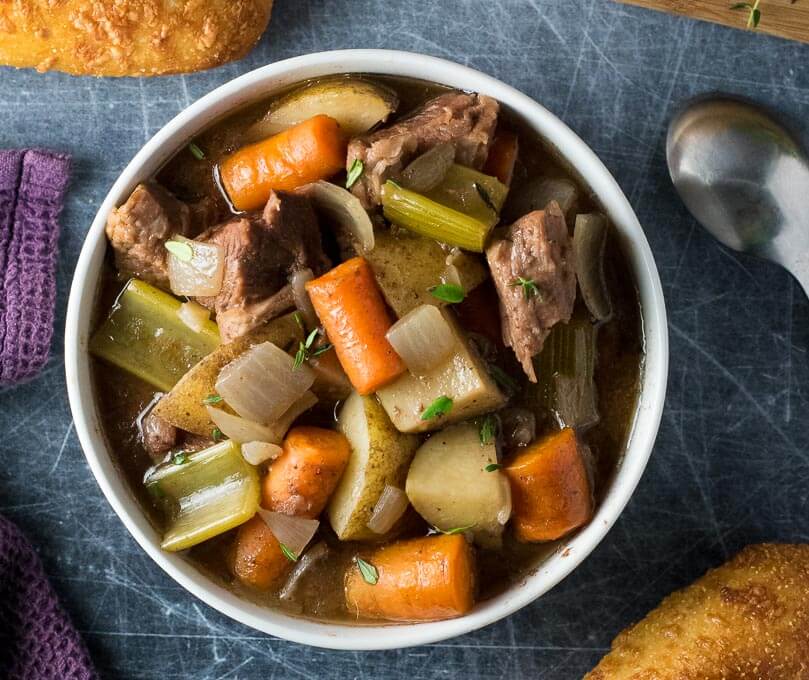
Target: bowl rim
[(582, 159)]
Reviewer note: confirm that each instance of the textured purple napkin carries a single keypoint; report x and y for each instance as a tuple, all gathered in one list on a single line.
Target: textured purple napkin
[(32, 189), (37, 639)]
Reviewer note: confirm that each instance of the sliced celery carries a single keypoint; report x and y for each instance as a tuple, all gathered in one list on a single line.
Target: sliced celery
[(429, 218), (212, 491), (566, 374), (471, 193), (144, 335)]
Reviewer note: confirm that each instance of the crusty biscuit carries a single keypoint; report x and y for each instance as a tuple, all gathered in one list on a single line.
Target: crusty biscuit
[(129, 37), (746, 619)]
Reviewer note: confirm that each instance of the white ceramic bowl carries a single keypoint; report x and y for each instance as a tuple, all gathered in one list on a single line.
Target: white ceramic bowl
[(260, 83)]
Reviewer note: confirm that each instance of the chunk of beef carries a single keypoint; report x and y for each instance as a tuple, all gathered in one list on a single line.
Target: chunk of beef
[(262, 250), (466, 120), (535, 248), (139, 228), (159, 437)]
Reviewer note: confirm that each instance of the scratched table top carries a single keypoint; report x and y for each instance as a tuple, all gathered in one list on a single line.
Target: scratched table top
[(731, 463)]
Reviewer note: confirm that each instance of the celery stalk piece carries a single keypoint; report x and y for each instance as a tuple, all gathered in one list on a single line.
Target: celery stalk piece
[(433, 220), (566, 374), (211, 492), (458, 191), (144, 335)]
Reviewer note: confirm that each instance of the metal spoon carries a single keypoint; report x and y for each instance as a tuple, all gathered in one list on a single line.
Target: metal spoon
[(745, 177)]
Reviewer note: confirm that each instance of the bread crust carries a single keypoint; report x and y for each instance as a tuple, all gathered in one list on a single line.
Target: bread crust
[(129, 37), (748, 618)]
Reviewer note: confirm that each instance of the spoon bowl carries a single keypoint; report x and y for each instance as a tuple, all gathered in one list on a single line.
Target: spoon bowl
[(745, 177)]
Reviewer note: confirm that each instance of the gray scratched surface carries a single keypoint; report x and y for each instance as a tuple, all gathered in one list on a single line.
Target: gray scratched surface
[(732, 461)]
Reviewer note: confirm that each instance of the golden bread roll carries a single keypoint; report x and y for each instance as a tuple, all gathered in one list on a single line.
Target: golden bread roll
[(748, 618), (129, 37)]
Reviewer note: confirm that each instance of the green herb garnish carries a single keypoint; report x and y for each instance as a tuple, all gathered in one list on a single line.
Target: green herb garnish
[(448, 292), (502, 378), (304, 348), (354, 172), (369, 572), (754, 13), (216, 434), (440, 407), (289, 554), (320, 350), (488, 429), (484, 196), (493, 467), (454, 530), (196, 152), (180, 458), (299, 320), (529, 287), (182, 251), (212, 399)]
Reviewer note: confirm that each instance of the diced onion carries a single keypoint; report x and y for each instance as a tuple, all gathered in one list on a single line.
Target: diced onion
[(314, 554), (194, 315), (451, 275), (504, 514), (261, 384), (257, 453), (243, 430), (293, 532), (201, 275), (388, 509), (345, 209), (302, 301), (423, 338), (589, 242)]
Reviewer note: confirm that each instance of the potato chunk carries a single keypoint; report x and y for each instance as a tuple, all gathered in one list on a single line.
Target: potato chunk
[(449, 486)]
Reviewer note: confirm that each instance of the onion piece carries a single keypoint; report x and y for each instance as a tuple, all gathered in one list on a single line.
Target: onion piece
[(298, 281), (423, 338), (314, 554), (200, 274), (194, 315), (261, 384), (589, 242), (504, 514), (291, 532), (452, 274), (257, 453), (388, 509), (345, 209), (243, 430), (427, 171)]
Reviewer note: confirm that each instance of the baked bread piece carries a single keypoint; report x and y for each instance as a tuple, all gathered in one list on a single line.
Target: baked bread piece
[(748, 618), (129, 37)]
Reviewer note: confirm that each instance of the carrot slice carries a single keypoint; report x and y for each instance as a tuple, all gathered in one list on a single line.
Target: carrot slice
[(309, 151), (502, 156), (303, 477), (257, 560), (550, 488), (351, 309), (424, 579)]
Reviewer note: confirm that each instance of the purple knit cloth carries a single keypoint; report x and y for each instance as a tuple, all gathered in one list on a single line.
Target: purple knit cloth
[(32, 189), (37, 639)]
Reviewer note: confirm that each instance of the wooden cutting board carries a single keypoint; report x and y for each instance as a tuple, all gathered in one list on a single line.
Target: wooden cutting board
[(778, 17)]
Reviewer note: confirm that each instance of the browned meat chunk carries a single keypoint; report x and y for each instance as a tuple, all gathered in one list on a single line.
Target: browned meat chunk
[(535, 275), (466, 120), (159, 437), (261, 252), (139, 228)]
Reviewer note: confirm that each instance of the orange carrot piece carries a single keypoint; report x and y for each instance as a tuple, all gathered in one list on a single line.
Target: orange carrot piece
[(257, 560), (502, 156), (309, 151), (351, 309), (550, 488), (303, 477), (424, 579)]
